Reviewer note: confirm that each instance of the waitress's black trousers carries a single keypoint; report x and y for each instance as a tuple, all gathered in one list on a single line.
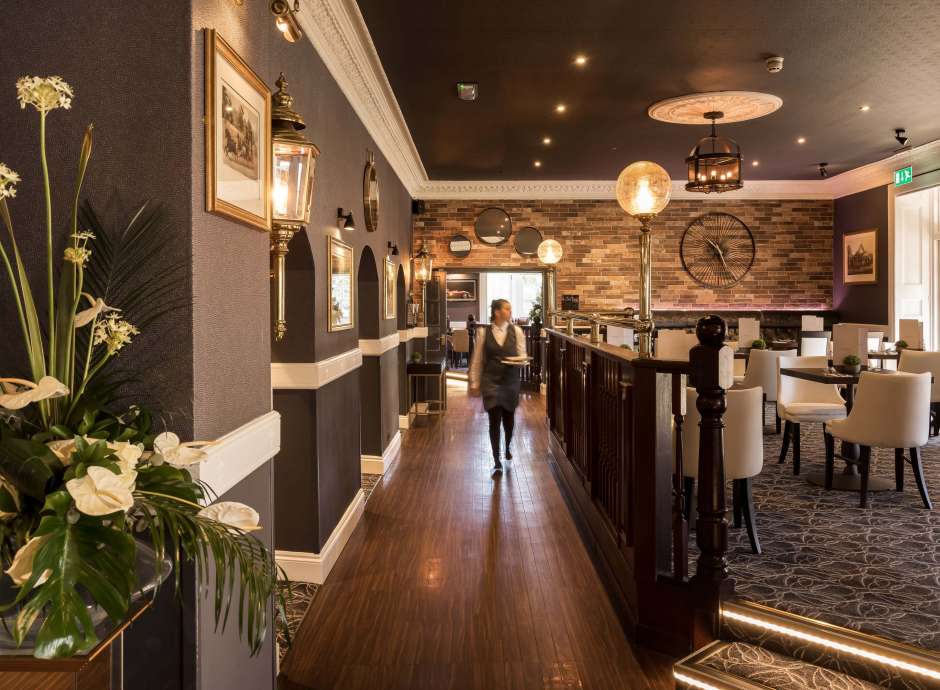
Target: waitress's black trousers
[(500, 415)]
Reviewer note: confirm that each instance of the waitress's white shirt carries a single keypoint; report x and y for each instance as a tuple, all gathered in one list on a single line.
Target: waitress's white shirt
[(499, 335)]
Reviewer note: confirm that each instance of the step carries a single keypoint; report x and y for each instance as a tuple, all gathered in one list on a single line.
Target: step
[(876, 660)]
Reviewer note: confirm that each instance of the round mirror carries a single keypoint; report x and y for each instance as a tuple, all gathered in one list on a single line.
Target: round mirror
[(493, 226), (459, 246), (528, 241), (370, 195)]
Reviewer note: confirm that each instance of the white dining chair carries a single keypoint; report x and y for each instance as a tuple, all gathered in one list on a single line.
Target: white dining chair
[(918, 363), (740, 365), (800, 401), (743, 444), (674, 344), (814, 343), (762, 367), (891, 410)]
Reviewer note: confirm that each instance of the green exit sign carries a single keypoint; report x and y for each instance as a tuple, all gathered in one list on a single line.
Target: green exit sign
[(903, 176)]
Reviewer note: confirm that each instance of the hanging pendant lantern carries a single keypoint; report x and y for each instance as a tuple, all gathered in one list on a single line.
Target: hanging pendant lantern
[(715, 162)]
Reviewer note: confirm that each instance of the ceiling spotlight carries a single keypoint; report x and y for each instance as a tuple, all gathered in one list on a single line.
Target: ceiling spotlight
[(755, 163), (901, 136), (801, 140), (560, 108), (537, 164), (285, 19), (864, 108), (822, 170), (580, 60), (467, 90), (344, 220), (547, 141)]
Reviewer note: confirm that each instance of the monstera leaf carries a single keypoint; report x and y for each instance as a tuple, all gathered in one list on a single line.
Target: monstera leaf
[(28, 465)]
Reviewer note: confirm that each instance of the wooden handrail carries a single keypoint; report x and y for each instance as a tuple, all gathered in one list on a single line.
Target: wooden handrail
[(617, 423)]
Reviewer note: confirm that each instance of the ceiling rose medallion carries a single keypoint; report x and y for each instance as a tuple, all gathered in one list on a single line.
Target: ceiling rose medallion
[(737, 106)]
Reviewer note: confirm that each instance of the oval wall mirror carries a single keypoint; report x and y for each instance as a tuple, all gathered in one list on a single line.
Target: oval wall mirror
[(459, 246), (370, 195), (528, 241), (493, 226)]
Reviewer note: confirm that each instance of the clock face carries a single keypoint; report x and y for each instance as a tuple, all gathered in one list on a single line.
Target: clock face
[(717, 250)]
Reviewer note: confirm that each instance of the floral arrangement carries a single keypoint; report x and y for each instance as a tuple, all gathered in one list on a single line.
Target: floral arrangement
[(80, 478)]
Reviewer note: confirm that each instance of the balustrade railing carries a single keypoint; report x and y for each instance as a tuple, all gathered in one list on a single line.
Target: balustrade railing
[(617, 427)]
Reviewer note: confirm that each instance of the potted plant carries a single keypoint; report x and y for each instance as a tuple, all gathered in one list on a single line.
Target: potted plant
[(851, 364), (759, 344), (416, 357), (901, 345), (82, 475)]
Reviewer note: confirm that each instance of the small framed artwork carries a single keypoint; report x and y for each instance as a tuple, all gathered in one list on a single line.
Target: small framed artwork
[(341, 284), (238, 137), (860, 257), (462, 290), (391, 310)]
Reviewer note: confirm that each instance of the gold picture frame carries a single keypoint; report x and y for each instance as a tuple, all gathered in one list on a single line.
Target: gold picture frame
[(238, 137), (341, 290), (860, 257), (391, 298)]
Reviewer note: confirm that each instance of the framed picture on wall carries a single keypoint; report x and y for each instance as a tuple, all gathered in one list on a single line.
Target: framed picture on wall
[(860, 257), (238, 137), (461, 290), (391, 310), (341, 287)]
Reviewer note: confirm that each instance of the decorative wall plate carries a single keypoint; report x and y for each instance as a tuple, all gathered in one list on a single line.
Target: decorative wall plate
[(717, 250), (459, 246), (370, 195), (528, 241), (493, 226), (736, 106)]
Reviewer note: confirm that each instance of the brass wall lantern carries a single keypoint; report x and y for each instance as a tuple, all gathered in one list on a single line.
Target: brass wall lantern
[(423, 265), (294, 161)]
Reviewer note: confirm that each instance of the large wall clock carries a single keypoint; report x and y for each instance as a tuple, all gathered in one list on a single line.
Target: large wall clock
[(717, 250), (370, 195)]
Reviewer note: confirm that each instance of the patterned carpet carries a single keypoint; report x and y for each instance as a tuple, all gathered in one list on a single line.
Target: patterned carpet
[(875, 570), (298, 595)]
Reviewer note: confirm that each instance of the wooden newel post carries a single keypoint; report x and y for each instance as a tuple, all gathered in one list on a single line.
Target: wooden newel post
[(713, 373)]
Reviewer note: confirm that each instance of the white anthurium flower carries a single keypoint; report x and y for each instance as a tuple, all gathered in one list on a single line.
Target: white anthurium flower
[(233, 514), (98, 307), (63, 450), (167, 448), (102, 492), (48, 387), (22, 567), (128, 454)]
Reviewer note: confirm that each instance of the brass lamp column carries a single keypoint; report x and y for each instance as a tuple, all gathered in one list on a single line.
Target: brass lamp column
[(550, 253), (294, 159), (643, 190)]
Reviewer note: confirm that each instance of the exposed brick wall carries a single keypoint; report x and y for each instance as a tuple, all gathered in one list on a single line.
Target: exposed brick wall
[(792, 268)]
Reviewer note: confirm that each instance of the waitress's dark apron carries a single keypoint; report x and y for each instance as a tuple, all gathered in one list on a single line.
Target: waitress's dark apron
[(500, 383)]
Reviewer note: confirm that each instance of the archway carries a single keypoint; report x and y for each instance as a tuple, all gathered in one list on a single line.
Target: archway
[(367, 296), (367, 318)]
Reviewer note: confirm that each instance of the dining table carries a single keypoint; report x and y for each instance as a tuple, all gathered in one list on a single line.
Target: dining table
[(849, 479)]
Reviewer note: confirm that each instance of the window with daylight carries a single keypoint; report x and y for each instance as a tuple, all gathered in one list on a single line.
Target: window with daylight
[(523, 290)]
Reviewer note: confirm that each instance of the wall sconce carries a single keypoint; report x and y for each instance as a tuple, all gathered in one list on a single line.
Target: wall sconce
[(423, 265), (344, 220), (294, 160), (285, 19), (392, 249)]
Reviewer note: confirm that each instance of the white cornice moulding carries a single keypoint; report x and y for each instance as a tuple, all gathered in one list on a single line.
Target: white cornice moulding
[(378, 347), (924, 158), (339, 34), (240, 452), (300, 566), (313, 375)]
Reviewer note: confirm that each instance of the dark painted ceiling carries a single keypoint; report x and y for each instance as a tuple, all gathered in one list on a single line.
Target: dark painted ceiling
[(838, 54)]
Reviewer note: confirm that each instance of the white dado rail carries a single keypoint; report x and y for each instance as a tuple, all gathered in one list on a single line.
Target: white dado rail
[(240, 452), (379, 346), (411, 333), (313, 375)]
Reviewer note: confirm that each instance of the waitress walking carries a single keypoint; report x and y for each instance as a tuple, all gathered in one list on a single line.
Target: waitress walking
[(497, 381)]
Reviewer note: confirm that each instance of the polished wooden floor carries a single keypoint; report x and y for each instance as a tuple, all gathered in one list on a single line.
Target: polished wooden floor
[(458, 579)]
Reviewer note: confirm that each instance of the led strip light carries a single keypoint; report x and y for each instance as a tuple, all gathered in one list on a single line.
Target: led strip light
[(688, 680), (840, 646)]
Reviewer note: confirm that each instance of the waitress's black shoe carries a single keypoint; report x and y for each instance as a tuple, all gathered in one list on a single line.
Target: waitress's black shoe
[(497, 465)]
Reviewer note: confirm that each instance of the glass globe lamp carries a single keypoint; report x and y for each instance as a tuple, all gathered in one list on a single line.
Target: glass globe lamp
[(550, 252), (643, 189), (423, 266)]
